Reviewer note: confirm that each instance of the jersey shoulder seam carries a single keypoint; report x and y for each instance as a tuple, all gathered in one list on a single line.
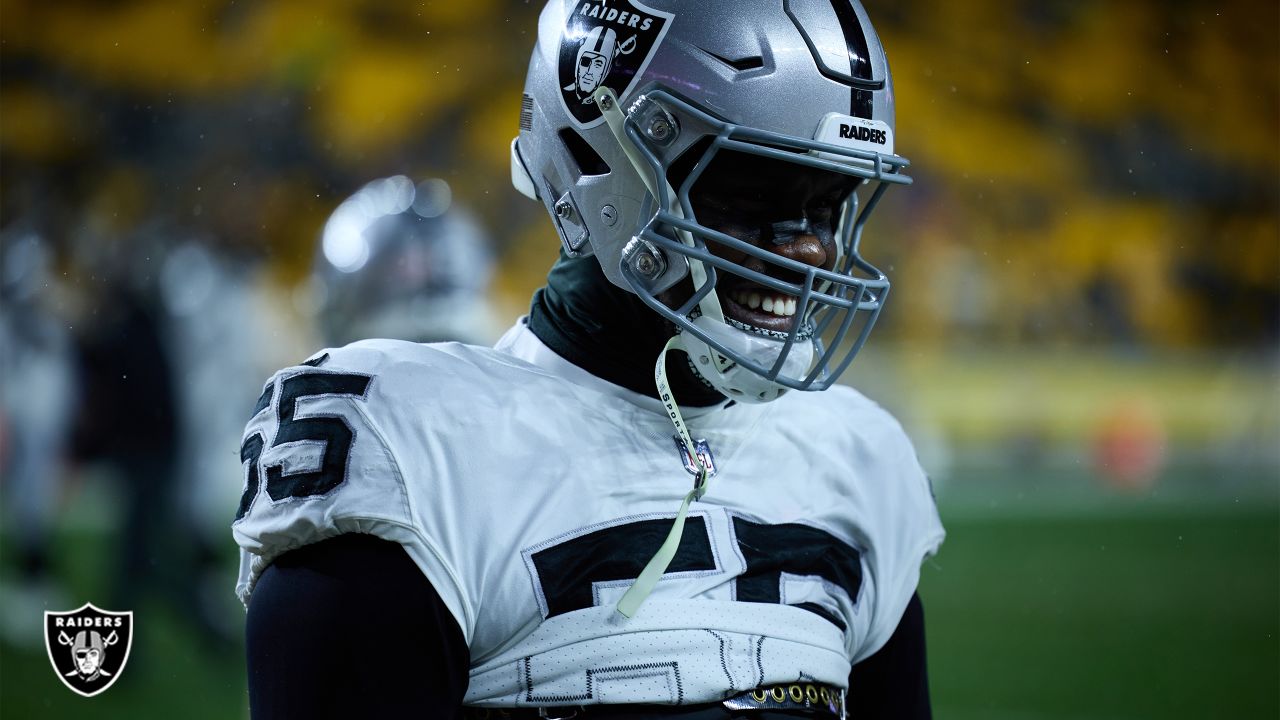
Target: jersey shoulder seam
[(410, 512)]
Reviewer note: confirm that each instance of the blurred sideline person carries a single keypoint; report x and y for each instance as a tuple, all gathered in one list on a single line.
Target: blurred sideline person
[(127, 418), (402, 261), (213, 328), (37, 391), (650, 499)]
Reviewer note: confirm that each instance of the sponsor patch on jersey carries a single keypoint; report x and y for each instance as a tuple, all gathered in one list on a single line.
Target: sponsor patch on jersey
[(88, 647), (853, 132), (704, 453), (606, 42)]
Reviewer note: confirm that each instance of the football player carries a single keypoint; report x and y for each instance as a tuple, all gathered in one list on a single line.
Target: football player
[(38, 387), (650, 499), (402, 260)]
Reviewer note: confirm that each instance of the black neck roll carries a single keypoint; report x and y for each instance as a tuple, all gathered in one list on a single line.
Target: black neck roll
[(609, 332)]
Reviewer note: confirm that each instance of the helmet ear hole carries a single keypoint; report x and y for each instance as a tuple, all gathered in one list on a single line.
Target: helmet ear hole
[(587, 159)]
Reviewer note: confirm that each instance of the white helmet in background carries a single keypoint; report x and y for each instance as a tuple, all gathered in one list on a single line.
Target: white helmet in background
[(401, 260)]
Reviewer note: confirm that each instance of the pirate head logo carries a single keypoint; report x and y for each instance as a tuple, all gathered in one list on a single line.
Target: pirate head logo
[(595, 58), (605, 42), (88, 647)]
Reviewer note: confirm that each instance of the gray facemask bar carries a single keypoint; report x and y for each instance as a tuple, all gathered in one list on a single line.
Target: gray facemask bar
[(825, 295)]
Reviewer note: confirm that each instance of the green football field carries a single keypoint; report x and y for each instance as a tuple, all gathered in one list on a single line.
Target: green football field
[(1132, 611), (1169, 615)]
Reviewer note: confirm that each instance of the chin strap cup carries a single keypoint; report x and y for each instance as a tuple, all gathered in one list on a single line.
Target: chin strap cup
[(732, 379)]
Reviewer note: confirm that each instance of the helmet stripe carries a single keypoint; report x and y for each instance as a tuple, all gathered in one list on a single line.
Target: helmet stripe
[(855, 39)]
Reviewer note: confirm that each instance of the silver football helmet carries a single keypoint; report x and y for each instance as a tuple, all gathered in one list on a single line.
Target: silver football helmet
[(632, 112), (400, 260)]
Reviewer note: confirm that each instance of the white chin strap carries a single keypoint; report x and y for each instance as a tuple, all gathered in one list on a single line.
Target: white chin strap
[(661, 560), (639, 591)]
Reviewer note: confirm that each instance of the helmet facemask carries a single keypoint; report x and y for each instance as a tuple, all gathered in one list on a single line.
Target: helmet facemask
[(617, 167), (676, 262)]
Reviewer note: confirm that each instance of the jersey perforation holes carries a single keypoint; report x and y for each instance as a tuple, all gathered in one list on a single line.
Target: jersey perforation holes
[(638, 670), (724, 664), (528, 684)]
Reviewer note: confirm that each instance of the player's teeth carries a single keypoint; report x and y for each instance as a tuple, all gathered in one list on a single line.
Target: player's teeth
[(780, 305)]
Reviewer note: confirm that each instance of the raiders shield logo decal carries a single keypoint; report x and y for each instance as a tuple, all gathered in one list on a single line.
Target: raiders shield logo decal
[(88, 647), (605, 42)]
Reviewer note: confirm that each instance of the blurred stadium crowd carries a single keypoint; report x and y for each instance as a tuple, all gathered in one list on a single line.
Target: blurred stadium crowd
[(1094, 216), (1086, 173)]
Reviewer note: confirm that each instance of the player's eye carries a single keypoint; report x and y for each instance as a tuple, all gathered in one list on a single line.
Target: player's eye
[(737, 228), (825, 206)]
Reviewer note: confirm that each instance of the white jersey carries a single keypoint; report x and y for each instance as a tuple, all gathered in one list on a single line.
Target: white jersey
[(531, 494)]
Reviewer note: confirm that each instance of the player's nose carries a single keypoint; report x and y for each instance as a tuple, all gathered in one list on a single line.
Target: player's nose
[(795, 240)]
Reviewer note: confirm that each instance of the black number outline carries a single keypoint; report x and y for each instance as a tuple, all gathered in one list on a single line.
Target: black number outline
[(251, 450), (771, 549), (565, 569), (329, 428)]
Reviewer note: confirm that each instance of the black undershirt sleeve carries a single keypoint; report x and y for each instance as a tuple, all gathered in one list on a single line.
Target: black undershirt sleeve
[(894, 683), (350, 627)]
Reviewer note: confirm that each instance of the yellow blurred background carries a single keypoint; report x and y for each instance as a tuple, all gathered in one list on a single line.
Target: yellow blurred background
[(1090, 177), (1086, 273)]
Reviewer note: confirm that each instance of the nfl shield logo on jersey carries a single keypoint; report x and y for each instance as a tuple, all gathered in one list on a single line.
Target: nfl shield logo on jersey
[(704, 454), (608, 43), (88, 647)]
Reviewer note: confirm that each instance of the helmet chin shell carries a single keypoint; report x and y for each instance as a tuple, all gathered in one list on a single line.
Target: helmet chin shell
[(734, 380)]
